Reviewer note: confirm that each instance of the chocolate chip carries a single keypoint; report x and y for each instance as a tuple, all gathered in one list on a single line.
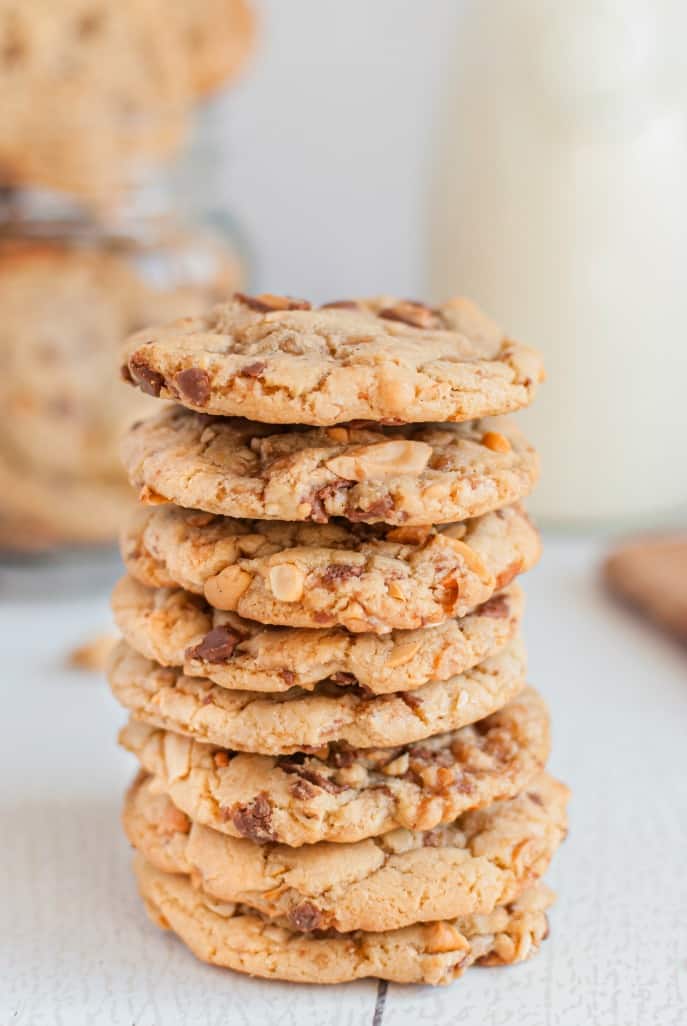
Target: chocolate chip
[(437, 757), (497, 607), (302, 790), (410, 700), (266, 302), (431, 839), (194, 385), (416, 315), (340, 304), (305, 916), (340, 572), (343, 758), (534, 797), (344, 678), (295, 759), (321, 495), (288, 676), (145, 377), (217, 646), (373, 425), (378, 509), (253, 819), (253, 370), (312, 777)]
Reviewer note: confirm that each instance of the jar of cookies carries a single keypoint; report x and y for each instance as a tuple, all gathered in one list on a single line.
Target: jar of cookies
[(71, 288), (109, 220)]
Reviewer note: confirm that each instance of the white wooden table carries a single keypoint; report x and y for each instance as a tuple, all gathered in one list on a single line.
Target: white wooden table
[(77, 950)]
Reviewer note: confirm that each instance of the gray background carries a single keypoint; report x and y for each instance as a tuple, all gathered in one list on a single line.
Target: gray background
[(330, 139)]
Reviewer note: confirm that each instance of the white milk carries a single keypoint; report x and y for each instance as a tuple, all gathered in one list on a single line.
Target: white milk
[(561, 206)]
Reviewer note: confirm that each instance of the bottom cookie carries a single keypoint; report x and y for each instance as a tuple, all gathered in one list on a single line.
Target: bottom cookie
[(237, 938)]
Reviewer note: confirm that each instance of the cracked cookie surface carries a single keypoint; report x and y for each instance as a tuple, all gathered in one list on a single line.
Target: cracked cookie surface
[(279, 360), (298, 720), (360, 576), (235, 937), (482, 859), (175, 628), (411, 475), (344, 794)]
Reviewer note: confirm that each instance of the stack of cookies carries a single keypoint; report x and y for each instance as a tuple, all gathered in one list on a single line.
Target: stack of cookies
[(341, 764)]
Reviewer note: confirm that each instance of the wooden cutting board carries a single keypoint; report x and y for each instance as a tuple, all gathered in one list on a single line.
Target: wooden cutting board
[(651, 574)]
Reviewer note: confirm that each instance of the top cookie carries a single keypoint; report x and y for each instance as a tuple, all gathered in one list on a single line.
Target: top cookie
[(276, 359)]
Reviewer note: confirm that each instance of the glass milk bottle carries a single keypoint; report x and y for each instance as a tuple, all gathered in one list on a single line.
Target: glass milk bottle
[(560, 204)]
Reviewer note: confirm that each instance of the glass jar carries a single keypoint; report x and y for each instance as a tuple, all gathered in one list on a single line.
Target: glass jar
[(73, 285), (560, 205)]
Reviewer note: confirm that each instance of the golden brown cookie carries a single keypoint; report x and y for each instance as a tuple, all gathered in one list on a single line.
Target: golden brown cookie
[(235, 937), (276, 359), (468, 867), (90, 88), (65, 308), (217, 36), (300, 720), (362, 577), (411, 475), (175, 628), (345, 794)]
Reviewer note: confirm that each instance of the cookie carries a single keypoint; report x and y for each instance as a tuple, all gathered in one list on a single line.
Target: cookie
[(217, 35), (235, 937), (278, 360), (65, 308), (345, 794), (362, 577), (118, 88), (297, 720), (56, 509), (412, 475), (468, 867), (25, 535), (174, 628), (651, 574)]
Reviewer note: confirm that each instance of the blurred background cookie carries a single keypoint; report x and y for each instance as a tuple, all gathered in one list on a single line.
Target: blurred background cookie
[(108, 222), (218, 35), (121, 79), (67, 303)]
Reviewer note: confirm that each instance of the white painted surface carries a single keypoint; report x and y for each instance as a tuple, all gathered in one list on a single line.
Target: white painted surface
[(77, 950)]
